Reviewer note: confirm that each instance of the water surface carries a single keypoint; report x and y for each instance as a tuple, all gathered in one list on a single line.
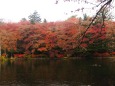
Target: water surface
[(58, 72)]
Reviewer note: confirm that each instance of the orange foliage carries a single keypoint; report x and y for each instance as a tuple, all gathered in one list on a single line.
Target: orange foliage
[(19, 55), (42, 49), (9, 34), (105, 54), (47, 36)]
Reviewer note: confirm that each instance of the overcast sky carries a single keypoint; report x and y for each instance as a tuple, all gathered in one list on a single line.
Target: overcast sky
[(15, 10)]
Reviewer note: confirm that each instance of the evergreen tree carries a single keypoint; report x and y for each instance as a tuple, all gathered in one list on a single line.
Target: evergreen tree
[(34, 18), (23, 19), (45, 21)]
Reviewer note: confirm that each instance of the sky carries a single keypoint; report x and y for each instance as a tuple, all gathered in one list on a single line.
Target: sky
[(15, 10)]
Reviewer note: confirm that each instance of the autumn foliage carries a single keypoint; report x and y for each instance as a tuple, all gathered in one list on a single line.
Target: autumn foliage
[(56, 39)]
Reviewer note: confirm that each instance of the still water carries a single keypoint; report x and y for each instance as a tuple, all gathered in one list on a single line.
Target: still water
[(64, 72)]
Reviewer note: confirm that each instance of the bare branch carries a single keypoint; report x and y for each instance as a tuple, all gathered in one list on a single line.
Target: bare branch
[(83, 35)]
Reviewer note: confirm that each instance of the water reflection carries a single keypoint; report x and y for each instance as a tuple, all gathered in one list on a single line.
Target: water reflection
[(46, 72)]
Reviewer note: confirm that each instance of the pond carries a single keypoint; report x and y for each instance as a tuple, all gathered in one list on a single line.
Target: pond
[(57, 72)]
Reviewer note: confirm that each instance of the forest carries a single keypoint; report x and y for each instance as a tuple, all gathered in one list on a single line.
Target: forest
[(62, 43), (74, 37), (59, 39)]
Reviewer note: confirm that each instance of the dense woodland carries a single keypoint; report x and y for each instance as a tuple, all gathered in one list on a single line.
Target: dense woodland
[(57, 39), (74, 37), (78, 51)]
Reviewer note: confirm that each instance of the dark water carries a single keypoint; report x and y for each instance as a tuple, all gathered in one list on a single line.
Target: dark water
[(45, 72)]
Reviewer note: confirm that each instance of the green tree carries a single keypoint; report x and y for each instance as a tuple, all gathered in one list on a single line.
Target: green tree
[(45, 21), (23, 19), (85, 16), (1, 21), (34, 18)]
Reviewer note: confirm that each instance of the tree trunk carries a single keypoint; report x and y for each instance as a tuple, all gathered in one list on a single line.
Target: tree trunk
[(0, 49)]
